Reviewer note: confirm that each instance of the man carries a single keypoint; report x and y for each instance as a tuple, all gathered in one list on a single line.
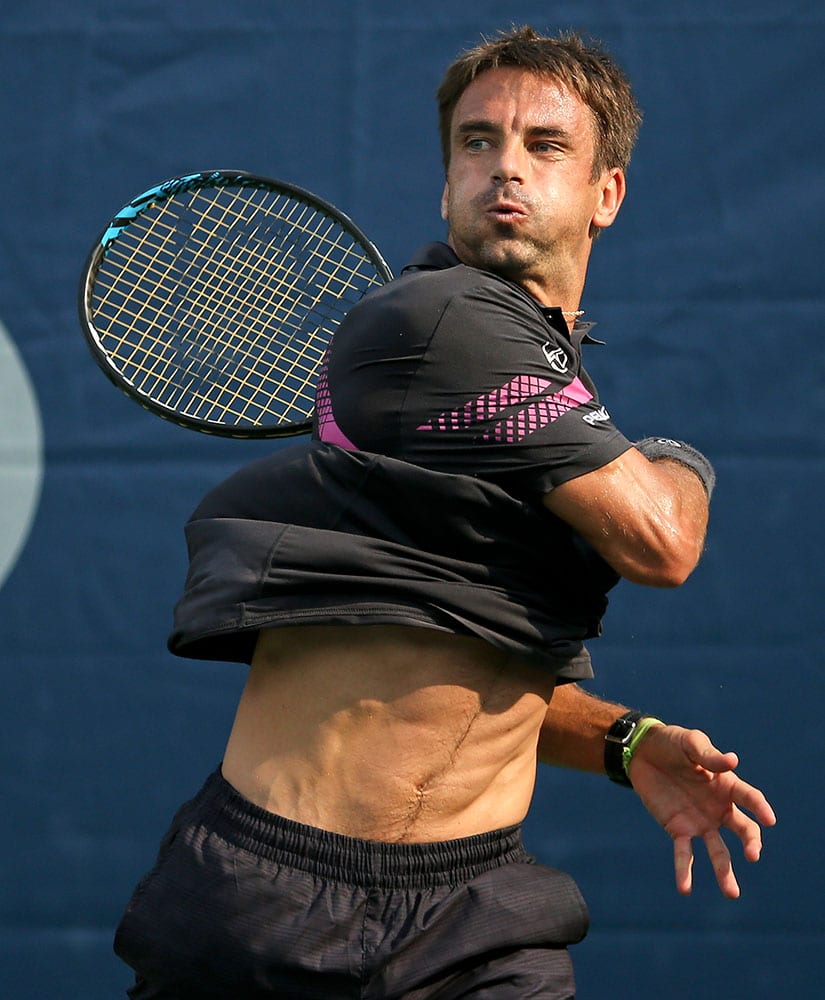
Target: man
[(413, 590)]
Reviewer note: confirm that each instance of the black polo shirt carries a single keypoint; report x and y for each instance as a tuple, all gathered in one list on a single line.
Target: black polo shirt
[(458, 370), (449, 403)]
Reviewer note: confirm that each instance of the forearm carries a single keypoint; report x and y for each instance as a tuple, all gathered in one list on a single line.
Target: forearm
[(683, 493), (574, 728), (647, 519), (657, 537)]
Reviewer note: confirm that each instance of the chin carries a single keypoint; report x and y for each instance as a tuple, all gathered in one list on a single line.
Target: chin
[(507, 261)]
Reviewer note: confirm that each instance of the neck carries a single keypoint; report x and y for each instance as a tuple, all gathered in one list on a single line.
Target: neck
[(552, 282), (565, 298)]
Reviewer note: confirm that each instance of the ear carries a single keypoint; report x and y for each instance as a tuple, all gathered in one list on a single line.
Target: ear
[(445, 197), (612, 189)]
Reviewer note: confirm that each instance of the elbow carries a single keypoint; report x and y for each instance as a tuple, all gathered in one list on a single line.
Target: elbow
[(660, 566), (671, 575)]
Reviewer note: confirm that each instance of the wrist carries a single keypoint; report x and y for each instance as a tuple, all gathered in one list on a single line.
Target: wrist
[(622, 741), (655, 449)]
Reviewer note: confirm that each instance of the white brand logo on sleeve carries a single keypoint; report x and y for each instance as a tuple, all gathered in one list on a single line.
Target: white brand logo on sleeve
[(596, 417), (556, 358)]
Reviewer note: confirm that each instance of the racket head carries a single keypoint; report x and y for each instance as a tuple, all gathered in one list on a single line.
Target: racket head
[(211, 299)]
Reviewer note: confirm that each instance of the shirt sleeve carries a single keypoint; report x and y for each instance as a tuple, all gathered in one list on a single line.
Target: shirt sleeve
[(460, 371)]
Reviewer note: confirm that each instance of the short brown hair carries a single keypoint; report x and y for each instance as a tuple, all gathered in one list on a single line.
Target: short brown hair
[(585, 69)]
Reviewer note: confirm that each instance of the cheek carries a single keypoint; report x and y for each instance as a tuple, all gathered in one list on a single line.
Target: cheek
[(452, 203)]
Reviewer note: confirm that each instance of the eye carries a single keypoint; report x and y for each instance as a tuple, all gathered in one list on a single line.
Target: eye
[(477, 144), (549, 144)]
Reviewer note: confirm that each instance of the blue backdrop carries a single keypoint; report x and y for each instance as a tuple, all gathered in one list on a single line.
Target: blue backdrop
[(709, 292)]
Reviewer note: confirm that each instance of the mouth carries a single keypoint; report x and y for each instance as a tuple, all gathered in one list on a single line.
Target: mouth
[(506, 211)]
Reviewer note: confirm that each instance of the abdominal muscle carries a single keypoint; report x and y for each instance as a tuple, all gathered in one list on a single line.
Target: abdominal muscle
[(388, 733)]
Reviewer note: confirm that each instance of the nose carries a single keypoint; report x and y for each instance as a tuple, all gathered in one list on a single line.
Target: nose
[(510, 165)]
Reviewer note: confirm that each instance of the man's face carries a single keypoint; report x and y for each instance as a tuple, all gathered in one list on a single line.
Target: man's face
[(520, 199)]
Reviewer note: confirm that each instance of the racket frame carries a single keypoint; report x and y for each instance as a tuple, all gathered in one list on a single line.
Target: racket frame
[(191, 183)]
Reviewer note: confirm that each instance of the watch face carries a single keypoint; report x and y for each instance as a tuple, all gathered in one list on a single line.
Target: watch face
[(622, 729), (618, 737)]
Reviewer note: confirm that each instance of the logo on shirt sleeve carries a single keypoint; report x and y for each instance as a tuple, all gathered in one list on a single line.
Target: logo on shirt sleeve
[(556, 357), (596, 417)]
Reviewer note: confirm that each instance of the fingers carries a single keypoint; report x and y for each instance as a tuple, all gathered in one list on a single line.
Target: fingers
[(748, 831), (706, 756), (683, 864), (719, 858), (702, 752), (754, 801), (722, 867)]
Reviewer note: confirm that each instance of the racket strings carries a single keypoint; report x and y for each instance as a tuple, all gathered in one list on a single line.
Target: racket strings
[(220, 291), (222, 306)]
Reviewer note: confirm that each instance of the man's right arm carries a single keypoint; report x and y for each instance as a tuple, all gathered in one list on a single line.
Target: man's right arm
[(689, 786), (646, 519)]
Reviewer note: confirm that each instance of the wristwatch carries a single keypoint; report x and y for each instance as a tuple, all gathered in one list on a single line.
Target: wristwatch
[(617, 738)]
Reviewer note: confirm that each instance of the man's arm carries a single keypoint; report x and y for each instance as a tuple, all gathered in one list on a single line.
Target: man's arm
[(684, 781), (646, 519)]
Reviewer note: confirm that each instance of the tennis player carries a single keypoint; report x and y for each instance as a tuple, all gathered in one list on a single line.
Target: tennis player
[(414, 589)]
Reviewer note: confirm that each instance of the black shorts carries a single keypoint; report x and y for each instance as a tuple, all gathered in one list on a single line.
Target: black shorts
[(242, 903)]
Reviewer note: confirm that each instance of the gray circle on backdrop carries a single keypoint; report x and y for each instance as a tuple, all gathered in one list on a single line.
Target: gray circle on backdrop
[(21, 454)]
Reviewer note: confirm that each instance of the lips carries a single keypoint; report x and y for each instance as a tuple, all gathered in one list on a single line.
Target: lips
[(506, 211)]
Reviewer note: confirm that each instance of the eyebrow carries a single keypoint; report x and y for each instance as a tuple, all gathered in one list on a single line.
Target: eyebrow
[(477, 125), (485, 125)]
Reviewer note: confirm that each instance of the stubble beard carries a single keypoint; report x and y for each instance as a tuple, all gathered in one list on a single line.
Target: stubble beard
[(510, 255), (514, 250)]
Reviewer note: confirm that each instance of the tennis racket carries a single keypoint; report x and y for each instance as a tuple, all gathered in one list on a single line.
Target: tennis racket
[(211, 300)]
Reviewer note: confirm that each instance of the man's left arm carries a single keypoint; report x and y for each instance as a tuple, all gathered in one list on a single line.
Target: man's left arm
[(646, 518), (687, 784)]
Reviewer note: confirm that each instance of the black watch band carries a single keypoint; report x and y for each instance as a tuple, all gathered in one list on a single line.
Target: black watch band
[(616, 739)]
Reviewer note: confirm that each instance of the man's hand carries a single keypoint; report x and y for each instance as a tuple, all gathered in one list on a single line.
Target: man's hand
[(691, 789)]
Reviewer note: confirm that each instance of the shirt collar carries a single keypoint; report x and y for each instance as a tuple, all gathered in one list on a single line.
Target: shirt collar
[(439, 256), (433, 257)]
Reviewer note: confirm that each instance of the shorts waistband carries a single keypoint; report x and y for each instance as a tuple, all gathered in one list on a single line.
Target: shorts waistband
[(349, 859)]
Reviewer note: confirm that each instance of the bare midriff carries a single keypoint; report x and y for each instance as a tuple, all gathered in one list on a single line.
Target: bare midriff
[(389, 733)]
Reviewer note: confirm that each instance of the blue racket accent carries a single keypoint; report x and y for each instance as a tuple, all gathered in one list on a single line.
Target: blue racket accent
[(190, 182)]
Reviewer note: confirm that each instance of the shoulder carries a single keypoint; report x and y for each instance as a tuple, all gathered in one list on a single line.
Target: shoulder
[(473, 298)]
